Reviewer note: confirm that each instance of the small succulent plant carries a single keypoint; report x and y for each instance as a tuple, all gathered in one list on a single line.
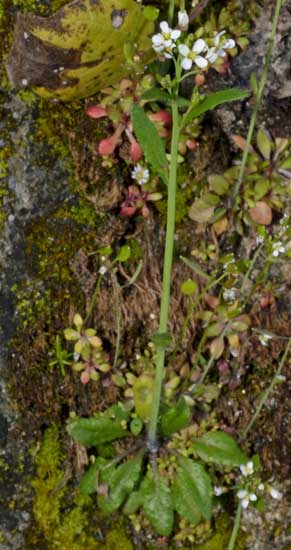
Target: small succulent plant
[(90, 358)]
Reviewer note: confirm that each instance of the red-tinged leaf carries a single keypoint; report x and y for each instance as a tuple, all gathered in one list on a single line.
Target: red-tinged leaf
[(241, 143), (261, 213), (96, 111)]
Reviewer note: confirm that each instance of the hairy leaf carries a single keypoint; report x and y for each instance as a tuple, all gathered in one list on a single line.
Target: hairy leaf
[(192, 491), (121, 481), (88, 483), (176, 418), (158, 505), (93, 431), (219, 447)]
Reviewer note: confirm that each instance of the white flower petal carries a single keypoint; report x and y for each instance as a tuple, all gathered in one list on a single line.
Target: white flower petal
[(201, 62), (165, 27), (275, 494), (218, 36), (186, 63), (199, 46), (221, 53), (253, 497), (211, 55), (175, 34), (183, 50), (245, 503), (168, 43), (157, 39), (168, 55), (228, 44), (243, 470), (242, 493)]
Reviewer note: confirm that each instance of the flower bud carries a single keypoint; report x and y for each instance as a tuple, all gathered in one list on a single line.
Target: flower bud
[(96, 111), (183, 20)]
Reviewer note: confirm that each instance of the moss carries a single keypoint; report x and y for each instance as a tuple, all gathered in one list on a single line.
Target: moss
[(66, 530), (221, 537)]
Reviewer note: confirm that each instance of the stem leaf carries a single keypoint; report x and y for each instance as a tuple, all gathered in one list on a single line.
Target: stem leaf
[(212, 101), (150, 141)]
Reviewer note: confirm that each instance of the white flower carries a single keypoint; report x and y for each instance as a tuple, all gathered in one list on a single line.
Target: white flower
[(218, 49), (245, 497), (247, 469), (183, 20), (264, 338), (278, 248), (164, 42), (219, 491), (274, 493), (102, 270), (229, 294), (140, 174), (190, 56)]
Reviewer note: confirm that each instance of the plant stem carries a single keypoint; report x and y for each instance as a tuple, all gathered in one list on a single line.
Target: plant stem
[(235, 528), (171, 12), (258, 98), (168, 260), (267, 392)]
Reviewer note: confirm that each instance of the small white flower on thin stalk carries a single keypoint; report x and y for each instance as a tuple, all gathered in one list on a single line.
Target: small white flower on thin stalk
[(246, 497), (102, 270), (247, 469), (140, 174), (264, 339), (218, 49), (278, 249), (164, 42), (183, 20), (274, 493), (192, 56)]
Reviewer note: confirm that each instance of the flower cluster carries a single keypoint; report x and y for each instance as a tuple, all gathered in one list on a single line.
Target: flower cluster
[(200, 53), (251, 485)]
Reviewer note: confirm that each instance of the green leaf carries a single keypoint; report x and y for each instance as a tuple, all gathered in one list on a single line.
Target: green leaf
[(123, 254), (133, 503), (93, 431), (71, 334), (143, 395), (199, 212), (196, 268), (156, 94), (192, 491), (158, 505), (136, 426), (219, 184), (84, 41), (264, 143), (121, 482), (151, 13), (176, 418), (88, 483), (219, 447), (212, 101), (286, 165), (152, 145), (189, 287)]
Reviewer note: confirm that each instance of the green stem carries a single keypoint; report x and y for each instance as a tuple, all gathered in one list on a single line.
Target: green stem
[(267, 392), (235, 528), (171, 12), (258, 98), (168, 260)]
